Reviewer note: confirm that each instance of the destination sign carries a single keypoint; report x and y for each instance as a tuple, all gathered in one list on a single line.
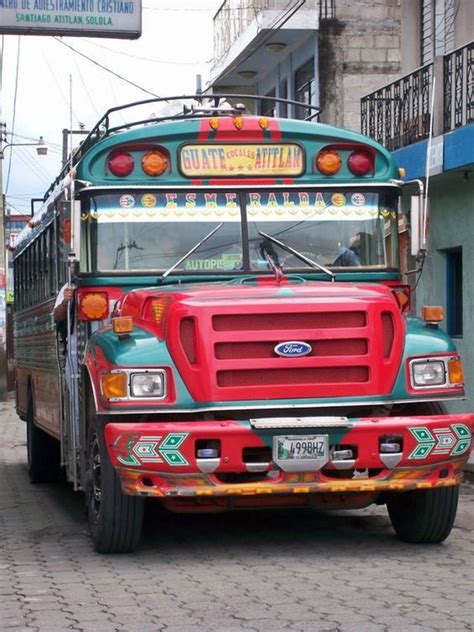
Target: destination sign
[(282, 159), (83, 18)]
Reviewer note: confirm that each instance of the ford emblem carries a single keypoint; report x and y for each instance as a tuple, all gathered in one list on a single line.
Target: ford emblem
[(293, 349)]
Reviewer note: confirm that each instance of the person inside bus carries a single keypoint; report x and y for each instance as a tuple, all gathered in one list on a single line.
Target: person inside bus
[(60, 312), (359, 246), (64, 303)]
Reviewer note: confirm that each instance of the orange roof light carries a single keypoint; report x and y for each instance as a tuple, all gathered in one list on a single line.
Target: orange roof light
[(328, 162), (93, 306), (154, 163), (238, 122)]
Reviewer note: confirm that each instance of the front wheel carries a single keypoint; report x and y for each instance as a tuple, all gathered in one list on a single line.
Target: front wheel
[(425, 515), (115, 519)]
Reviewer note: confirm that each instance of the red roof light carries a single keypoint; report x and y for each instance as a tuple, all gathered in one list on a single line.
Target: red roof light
[(121, 163), (361, 162)]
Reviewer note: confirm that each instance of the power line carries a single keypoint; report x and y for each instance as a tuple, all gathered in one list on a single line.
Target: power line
[(149, 59), (86, 89), (135, 85), (58, 85)]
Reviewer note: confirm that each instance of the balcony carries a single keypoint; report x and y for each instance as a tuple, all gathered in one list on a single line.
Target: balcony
[(398, 114), (232, 22)]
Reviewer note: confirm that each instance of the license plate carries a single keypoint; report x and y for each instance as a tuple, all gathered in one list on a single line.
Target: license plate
[(301, 448)]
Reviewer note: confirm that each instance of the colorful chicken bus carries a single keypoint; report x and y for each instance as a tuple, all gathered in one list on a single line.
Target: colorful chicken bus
[(242, 330)]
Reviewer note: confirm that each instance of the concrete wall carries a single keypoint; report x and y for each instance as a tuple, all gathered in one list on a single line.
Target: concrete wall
[(410, 36), (359, 52)]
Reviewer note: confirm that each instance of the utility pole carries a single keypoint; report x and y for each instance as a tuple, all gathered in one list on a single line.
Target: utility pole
[(66, 134), (3, 275)]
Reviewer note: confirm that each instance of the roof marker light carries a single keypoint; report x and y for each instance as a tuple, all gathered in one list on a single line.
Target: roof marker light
[(328, 162), (154, 163), (361, 162), (121, 163), (238, 122)]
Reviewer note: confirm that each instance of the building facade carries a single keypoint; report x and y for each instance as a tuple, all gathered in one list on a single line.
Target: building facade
[(325, 52), (435, 90)]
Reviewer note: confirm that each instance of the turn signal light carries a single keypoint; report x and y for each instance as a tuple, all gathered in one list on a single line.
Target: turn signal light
[(402, 293), (432, 313), (121, 163), (93, 306), (328, 162), (154, 163), (455, 371), (122, 325), (113, 385)]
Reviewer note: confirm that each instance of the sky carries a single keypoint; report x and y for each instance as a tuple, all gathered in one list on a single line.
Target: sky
[(40, 74)]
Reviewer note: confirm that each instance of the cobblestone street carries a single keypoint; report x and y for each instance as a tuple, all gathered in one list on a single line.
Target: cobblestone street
[(244, 571)]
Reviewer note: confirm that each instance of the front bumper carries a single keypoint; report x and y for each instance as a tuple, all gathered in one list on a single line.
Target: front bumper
[(160, 458)]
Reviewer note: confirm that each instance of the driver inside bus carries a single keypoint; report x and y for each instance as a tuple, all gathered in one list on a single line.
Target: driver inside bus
[(359, 246)]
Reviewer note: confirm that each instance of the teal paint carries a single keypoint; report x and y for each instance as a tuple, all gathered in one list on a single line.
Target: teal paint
[(420, 340), (140, 349)]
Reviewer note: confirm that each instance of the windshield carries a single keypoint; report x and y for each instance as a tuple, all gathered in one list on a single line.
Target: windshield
[(347, 229), (153, 231)]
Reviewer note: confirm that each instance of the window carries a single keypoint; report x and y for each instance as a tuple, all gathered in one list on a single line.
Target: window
[(436, 28), (454, 299), (305, 87)]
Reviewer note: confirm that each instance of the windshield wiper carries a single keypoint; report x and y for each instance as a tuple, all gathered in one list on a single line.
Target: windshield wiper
[(268, 253), (298, 255), (190, 252)]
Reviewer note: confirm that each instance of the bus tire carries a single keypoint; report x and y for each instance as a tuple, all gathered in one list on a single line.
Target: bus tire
[(43, 452), (115, 519), (423, 516)]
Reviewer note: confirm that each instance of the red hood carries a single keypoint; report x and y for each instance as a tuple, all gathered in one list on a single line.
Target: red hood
[(222, 338)]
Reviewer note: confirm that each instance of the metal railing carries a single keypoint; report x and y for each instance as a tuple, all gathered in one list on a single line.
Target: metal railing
[(458, 88), (399, 113)]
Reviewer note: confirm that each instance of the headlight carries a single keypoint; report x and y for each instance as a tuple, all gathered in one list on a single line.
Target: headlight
[(146, 384), (431, 373)]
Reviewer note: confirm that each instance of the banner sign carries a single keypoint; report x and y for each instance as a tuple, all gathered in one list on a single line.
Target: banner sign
[(284, 159), (86, 18), (224, 206)]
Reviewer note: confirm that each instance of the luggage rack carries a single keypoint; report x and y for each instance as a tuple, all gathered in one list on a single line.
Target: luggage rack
[(201, 106)]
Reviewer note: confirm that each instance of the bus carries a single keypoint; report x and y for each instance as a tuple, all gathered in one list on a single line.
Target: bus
[(243, 335)]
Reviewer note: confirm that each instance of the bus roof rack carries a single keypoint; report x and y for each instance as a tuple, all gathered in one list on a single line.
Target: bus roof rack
[(204, 105)]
